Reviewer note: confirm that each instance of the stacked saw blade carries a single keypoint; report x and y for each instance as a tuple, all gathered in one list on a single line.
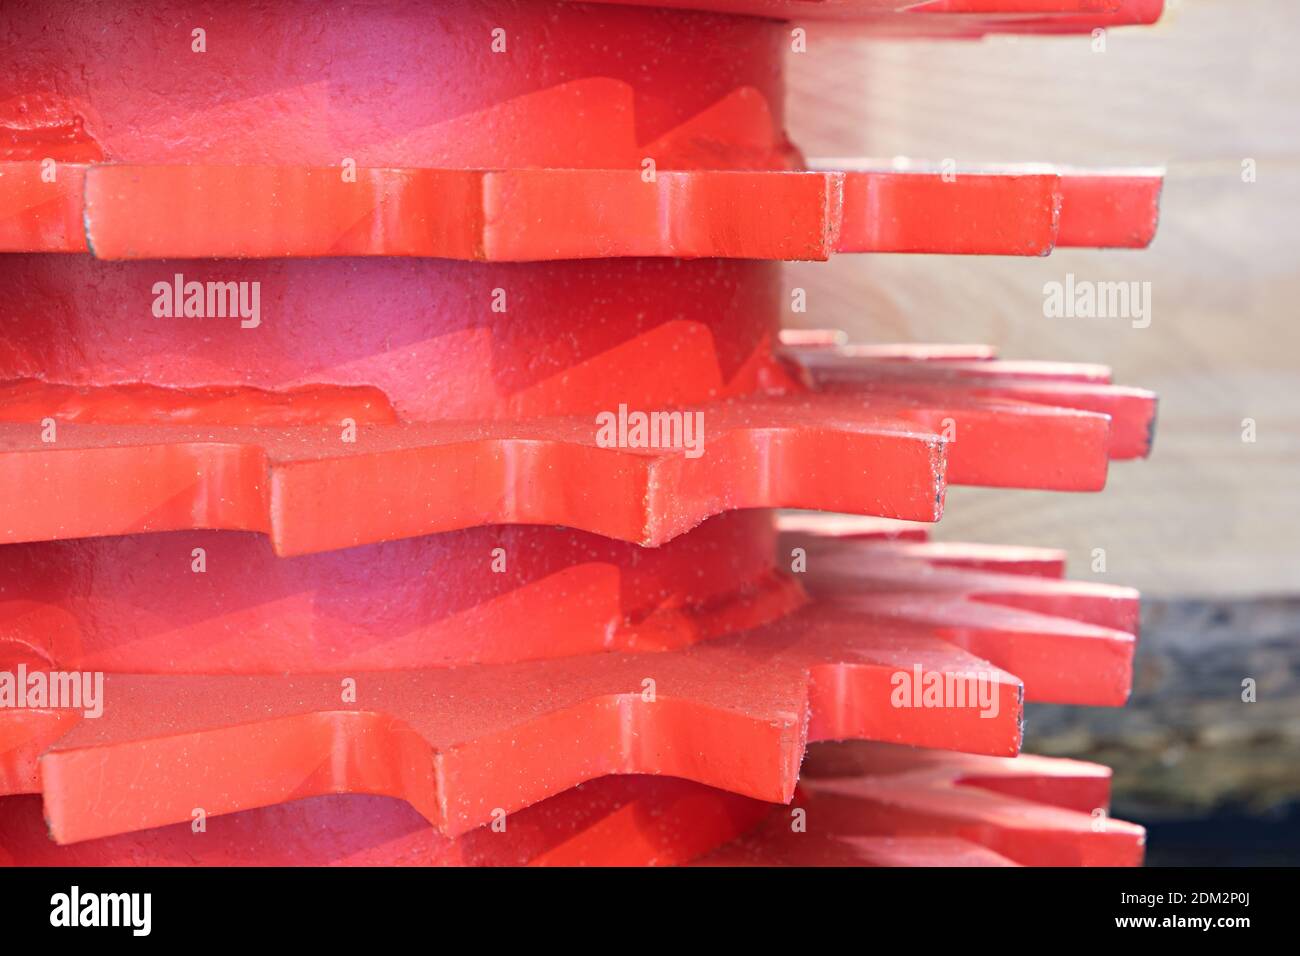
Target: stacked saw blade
[(394, 418)]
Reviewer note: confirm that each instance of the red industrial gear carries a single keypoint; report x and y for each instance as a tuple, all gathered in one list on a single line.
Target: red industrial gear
[(312, 313)]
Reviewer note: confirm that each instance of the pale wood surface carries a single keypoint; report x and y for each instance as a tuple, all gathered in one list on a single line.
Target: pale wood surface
[(1217, 82)]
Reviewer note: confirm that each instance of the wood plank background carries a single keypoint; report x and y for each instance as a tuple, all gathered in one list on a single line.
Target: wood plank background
[(1216, 82)]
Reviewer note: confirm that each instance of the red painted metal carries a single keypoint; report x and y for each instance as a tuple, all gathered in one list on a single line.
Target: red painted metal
[(134, 604), (611, 821), (999, 558), (732, 712), (42, 214), (520, 215), (905, 428), (1109, 208), (957, 810), (456, 743), (887, 211), (874, 805), (1027, 617), (839, 527), (485, 178), (414, 479), (428, 334), (1132, 411), (121, 211), (924, 18), (410, 84), (432, 602), (992, 210)]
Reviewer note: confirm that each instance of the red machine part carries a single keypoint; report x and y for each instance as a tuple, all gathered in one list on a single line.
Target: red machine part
[(836, 368), (123, 83), (1018, 617), (470, 413), (441, 340), (461, 743), (136, 605), (940, 18), (909, 428), (874, 805), (523, 215), (732, 712), (612, 821), (863, 805), (405, 85)]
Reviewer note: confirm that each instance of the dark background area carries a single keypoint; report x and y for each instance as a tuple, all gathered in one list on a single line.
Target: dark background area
[(1214, 779)]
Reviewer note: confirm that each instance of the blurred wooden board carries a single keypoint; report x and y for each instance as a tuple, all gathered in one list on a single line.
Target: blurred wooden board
[(1212, 85)]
